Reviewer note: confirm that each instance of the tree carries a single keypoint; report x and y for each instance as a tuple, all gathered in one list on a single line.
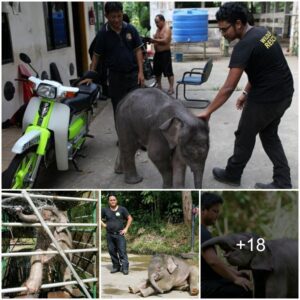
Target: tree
[(187, 207)]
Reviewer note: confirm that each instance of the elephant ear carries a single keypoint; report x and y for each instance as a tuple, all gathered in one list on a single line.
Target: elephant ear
[(171, 129), (171, 265), (263, 260)]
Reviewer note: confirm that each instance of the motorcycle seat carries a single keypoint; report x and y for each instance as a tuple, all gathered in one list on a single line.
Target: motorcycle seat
[(88, 89), (84, 98), (78, 103)]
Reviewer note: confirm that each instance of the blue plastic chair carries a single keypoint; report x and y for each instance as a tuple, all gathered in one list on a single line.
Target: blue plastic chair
[(196, 76)]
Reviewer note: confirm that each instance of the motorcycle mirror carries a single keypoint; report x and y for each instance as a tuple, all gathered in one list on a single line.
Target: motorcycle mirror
[(25, 58)]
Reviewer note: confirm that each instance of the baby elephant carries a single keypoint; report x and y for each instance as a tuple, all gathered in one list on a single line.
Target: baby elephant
[(43, 242), (274, 263), (173, 136), (166, 272)]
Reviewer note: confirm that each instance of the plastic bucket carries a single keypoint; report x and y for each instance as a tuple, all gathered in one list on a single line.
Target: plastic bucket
[(178, 57)]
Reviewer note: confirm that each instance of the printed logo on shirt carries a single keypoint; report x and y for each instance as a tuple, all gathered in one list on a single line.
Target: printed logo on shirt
[(268, 39), (118, 214), (128, 36)]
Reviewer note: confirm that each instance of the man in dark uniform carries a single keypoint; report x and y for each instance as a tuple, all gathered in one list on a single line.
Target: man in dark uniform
[(115, 215), (119, 45), (264, 100), (218, 280)]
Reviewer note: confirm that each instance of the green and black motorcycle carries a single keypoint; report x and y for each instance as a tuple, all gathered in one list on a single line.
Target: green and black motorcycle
[(55, 127)]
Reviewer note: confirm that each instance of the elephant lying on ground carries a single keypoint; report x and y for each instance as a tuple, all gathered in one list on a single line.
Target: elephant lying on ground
[(43, 243), (275, 269), (166, 272), (173, 136)]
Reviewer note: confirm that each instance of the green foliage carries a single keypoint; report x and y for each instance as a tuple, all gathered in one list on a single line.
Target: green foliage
[(272, 214), (174, 212), (167, 238), (151, 207), (157, 225), (139, 15), (83, 213)]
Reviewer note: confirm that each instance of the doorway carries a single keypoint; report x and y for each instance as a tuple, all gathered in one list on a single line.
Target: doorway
[(78, 12)]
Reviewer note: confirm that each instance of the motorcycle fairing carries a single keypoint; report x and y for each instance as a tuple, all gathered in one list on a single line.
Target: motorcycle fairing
[(58, 123)]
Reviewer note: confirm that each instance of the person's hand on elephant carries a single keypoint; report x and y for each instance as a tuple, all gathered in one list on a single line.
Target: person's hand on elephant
[(205, 115), (244, 273), (240, 102), (243, 282)]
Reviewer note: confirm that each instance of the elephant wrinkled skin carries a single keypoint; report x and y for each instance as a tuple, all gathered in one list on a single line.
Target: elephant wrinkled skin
[(167, 272), (44, 243), (173, 136), (275, 269)]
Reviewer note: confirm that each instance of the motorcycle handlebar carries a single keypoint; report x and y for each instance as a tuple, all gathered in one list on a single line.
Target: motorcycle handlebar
[(146, 39), (88, 74)]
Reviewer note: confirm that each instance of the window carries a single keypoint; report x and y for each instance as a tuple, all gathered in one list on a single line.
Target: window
[(7, 53), (57, 25)]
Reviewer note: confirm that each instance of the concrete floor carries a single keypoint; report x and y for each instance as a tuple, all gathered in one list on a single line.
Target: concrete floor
[(98, 166)]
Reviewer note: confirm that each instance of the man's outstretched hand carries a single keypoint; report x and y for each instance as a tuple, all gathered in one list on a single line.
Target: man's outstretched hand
[(205, 115)]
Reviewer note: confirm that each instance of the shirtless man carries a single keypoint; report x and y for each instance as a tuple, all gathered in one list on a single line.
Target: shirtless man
[(162, 62)]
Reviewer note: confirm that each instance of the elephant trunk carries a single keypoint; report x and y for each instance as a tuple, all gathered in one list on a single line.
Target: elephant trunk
[(154, 284), (198, 175), (221, 241)]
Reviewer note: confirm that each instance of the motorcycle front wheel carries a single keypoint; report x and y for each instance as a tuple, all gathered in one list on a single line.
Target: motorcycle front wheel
[(18, 174), (150, 82)]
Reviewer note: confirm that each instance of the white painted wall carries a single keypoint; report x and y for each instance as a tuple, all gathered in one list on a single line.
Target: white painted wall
[(28, 35), (165, 8)]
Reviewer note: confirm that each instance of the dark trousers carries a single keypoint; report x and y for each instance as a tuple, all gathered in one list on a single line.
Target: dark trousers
[(223, 288), (120, 84), (262, 119), (117, 250)]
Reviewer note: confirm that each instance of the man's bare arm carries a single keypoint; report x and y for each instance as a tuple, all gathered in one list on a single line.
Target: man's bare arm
[(220, 268), (129, 221)]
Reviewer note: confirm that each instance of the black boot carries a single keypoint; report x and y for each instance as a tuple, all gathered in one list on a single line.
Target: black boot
[(115, 270), (270, 186), (222, 176)]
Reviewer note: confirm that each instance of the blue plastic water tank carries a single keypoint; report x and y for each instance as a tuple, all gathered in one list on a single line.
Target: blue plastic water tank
[(190, 25)]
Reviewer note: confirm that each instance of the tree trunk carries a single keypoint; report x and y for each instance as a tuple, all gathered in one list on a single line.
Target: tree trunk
[(187, 207)]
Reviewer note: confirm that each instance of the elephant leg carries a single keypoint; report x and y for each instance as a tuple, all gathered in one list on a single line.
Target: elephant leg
[(127, 165), (34, 282), (67, 276), (194, 280), (183, 287), (276, 286), (160, 155), (179, 169), (137, 288), (118, 165), (148, 291)]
